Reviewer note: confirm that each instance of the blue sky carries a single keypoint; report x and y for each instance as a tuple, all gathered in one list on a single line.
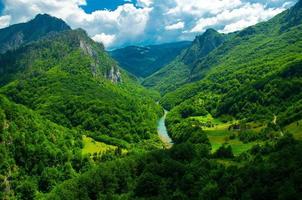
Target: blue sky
[(93, 5), (1, 6), (118, 23)]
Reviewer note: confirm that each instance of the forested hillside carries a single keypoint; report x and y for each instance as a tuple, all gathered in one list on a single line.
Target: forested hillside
[(239, 51), (178, 72), (35, 153), (254, 76), (65, 76)]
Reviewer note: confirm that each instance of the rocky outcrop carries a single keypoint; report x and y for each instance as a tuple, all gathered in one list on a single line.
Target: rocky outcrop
[(87, 49), (16, 41), (114, 75), (111, 73)]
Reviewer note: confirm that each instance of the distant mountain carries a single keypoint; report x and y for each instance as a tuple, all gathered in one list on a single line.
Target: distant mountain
[(14, 36), (144, 61), (178, 71)]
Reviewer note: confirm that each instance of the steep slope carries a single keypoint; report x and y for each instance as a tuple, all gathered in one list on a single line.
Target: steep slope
[(46, 52), (178, 72), (203, 45), (144, 61), (16, 35), (255, 75)]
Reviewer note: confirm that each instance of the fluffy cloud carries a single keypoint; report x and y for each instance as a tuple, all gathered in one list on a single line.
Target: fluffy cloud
[(4, 21), (107, 40), (114, 28), (238, 18), (144, 3), (125, 25), (23, 10), (149, 21), (179, 25)]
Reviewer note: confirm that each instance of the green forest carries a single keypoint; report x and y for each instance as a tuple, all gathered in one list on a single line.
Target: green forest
[(76, 123)]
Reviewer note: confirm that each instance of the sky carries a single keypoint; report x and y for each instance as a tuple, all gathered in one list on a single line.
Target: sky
[(118, 23), (1, 6), (93, 5)]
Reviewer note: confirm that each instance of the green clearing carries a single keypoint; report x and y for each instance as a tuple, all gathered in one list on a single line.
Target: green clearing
[(219, 134), (208, 119), (91, 146), (295, 128)]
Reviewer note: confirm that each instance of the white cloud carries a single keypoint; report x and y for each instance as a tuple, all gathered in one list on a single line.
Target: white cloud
[(238, 18), (107, 40), (179, 25), (126, 23), (241, 20), (202, 7), (150, 21), (144, 3), (22, 10), (4, 21)]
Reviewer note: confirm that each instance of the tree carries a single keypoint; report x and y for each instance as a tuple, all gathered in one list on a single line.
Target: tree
[(49, 178), (27, 189), (147, 185), (2, 122), (225, 151), (183, 151)]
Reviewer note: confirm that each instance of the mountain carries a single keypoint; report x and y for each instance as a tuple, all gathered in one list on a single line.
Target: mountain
[(56, 92), (14, 36), (63, 77), (203, 45), (144, 61), (178, 72), (235, 45), (253, 77), (195, 67)]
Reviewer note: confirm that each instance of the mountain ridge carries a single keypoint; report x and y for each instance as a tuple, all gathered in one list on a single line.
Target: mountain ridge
[(74, 39), (16, 35), (203, 45)]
